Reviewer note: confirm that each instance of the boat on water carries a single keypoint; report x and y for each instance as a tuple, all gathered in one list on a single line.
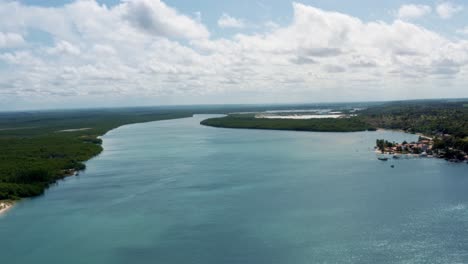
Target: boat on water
[(383, 158)]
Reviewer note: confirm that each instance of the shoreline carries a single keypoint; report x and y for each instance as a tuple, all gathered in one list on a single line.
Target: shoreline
[(404, 155), (5, 206), (392, 130), (403, 131), (423, 148)]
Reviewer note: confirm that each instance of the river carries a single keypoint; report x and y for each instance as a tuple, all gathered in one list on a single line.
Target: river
[(178, 192)]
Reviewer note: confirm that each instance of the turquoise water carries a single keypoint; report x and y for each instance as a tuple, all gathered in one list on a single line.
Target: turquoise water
[(177, 192)]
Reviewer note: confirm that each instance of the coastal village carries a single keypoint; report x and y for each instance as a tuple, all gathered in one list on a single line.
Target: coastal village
[(425, 147)]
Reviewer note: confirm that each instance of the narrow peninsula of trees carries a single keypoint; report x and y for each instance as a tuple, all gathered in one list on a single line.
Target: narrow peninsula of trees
[(248, 121)]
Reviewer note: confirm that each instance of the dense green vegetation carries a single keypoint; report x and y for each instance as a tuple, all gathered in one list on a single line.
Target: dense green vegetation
[(427, 117), (35, 152), (382, 144), (323, 125), (446, 121)]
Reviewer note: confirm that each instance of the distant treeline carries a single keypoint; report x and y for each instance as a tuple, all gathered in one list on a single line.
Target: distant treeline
[(427, 117), (351, 124), (445, 120)]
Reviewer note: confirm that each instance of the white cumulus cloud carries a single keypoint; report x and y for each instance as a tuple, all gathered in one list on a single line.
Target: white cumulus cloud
[(147, 49), (156, 17), (413, 11), (447, 9), (64, 48), (10, 40), (227, 21), (463, 31)]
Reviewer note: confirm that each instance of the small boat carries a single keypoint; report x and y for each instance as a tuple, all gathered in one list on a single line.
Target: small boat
[(393, 166), (396, 157), (383, 158)]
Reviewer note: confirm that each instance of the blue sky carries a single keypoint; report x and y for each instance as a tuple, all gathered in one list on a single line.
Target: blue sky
[(76, 53), (281, 11)]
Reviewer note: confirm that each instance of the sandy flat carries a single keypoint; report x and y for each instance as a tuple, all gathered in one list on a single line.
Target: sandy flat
[(298, 116), (74, 129), (15, 128), (5, 206)]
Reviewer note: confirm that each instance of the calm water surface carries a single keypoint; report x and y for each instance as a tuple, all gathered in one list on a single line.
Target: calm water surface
[(176, 192)]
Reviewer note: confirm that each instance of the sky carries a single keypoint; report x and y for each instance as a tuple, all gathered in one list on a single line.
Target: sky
[(105, 53)]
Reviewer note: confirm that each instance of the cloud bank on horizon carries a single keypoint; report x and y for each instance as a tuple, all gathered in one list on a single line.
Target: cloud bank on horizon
[(145, 51)]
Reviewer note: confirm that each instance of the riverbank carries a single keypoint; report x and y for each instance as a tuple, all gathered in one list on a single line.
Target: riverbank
[(5, 206), (32, 161)]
